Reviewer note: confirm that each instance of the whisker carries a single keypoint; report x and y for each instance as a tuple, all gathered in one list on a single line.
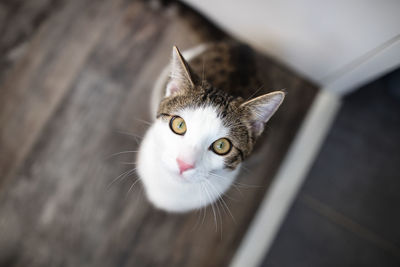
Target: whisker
[(233, 183), (212, 207), (133, 184), (198, 210), (226, 194), (137, 199), (243, 185), (230, 198), (246, 169), (253, 94), (143, 121), (248, 185), (222, 200), (121, 176), (135, 136), (219, 216), (122, 152), (130, 134), (204, 209)]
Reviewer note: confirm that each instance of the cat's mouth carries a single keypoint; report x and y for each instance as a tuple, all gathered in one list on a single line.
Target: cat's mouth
[(187, 177)]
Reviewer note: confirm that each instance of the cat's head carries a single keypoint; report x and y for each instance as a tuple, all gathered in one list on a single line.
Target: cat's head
[(203, 130)]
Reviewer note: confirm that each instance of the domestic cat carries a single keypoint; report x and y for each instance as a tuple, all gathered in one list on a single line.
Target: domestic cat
[(207, 121)]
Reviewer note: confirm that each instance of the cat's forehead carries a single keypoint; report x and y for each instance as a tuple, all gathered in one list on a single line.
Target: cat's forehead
[(203, 121), (203, 95)]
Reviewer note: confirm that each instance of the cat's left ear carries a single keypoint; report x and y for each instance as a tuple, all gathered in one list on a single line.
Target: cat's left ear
[(260, 109), (180, 76)]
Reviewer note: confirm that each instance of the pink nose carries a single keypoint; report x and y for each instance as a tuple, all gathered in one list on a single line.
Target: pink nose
[(183, 166)]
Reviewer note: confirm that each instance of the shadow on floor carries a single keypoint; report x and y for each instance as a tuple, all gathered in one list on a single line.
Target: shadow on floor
[(347, 212)]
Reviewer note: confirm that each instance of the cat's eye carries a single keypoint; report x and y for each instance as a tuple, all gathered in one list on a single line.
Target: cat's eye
[(177, 125), (222, 146)]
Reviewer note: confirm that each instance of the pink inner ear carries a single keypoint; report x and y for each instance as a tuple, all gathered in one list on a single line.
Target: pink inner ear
[(172, 88), (257, 127)]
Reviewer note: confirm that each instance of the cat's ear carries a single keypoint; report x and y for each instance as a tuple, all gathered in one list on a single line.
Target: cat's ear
[(260, 109), (180, 76)]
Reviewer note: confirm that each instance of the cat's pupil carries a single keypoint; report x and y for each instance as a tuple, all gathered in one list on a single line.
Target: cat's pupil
[(221, 145), (180, 125)]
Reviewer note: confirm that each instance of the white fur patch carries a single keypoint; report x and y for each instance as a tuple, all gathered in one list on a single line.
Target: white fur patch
[(158, 168)]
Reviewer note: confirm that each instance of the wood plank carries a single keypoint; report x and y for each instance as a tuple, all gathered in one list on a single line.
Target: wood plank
[(37, 83), (19, 21), (56, 208)]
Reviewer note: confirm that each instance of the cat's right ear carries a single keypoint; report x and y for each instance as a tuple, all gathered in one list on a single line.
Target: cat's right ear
[(260, 109), (180, 76)]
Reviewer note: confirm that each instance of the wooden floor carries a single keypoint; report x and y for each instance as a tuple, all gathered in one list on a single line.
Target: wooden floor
[(75, 76)]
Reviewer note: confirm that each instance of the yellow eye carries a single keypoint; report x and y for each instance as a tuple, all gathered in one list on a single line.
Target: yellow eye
[(177, 125), (222, 146)]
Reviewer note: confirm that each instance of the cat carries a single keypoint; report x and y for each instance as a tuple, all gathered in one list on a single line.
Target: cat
[(206, 124)]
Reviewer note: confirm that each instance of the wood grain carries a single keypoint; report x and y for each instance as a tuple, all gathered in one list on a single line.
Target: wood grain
[(85, 78), (19, 21)]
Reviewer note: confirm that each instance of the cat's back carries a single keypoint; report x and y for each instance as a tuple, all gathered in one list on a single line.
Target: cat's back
[(228, 66)]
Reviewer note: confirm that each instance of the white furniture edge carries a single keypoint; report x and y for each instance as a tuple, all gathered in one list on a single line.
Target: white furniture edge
[(367, 68)]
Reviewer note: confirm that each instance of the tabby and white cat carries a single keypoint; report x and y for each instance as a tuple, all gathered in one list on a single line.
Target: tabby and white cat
[(205, 126)]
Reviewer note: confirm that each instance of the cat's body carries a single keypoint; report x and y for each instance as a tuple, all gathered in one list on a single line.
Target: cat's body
[(206, 125)]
